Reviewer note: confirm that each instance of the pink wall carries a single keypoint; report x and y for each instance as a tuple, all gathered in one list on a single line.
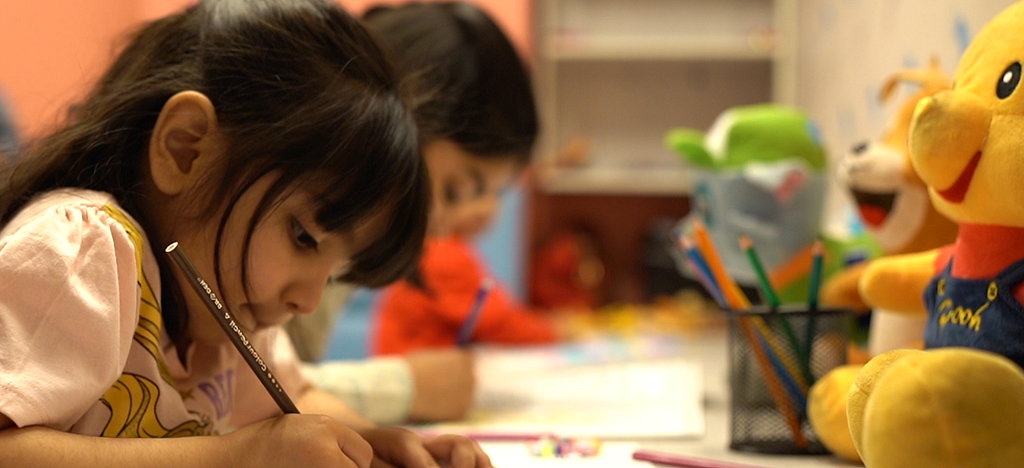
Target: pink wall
[(51, 50)]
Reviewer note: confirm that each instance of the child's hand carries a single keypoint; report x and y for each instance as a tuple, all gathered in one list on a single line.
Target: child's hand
[(444, 384), (403, 448), (300, 440)]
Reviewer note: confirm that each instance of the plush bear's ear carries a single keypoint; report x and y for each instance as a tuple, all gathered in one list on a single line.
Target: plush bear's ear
[(689, 144)]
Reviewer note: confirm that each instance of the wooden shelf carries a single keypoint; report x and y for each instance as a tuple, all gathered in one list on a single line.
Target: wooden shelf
[(621, 48), (617, 180)]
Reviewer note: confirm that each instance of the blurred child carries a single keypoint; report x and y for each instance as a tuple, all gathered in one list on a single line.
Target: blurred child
[(269, 139), (477, 124), (476, 116)]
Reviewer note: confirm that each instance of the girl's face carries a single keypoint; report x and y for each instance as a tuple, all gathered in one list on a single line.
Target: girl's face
[(466, 188), (291, 259)]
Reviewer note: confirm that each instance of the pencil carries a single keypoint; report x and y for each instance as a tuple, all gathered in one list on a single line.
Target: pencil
[(466, 331), (733, 295), (234, 332), (818, 258), (762, 277), (773, 301), (737, 301), (700, 266), (817, 255), (671, 459), (775, 389)]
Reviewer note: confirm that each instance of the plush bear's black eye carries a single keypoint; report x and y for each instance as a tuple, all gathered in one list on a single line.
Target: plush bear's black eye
[(1009, 81)]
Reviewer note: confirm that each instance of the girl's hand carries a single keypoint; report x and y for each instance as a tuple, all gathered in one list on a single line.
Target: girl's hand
[(299, 440), (394, 447), (443, 383)]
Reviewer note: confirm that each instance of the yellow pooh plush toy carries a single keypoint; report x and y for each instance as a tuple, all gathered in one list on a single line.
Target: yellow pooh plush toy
[(960, 402)]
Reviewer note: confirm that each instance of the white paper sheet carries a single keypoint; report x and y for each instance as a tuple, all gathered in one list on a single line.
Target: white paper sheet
[(528, 394)]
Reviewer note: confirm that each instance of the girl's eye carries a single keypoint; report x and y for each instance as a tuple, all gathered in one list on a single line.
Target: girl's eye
[(301, 237)]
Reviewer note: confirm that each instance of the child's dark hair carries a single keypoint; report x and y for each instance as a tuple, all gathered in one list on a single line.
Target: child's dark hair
[(472, 86), (302, 92)]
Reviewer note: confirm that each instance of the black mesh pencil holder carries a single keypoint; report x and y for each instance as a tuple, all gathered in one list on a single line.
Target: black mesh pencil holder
[(775, 355)]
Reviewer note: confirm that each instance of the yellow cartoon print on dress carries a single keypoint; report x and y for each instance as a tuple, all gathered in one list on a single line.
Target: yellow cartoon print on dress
[(133, 398)]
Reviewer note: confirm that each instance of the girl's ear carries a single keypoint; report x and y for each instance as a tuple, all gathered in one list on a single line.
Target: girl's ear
[(185, 142)]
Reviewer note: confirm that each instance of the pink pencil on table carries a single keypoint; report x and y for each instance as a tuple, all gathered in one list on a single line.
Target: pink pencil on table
[(671, 459), (505, 437), (485, 436)]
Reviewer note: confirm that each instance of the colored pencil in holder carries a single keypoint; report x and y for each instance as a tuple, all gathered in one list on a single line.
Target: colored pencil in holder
[(773, 300), (737, 301), (700, 266), (817, 261)]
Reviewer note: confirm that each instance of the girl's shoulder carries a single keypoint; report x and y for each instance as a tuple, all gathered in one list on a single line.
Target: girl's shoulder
[(76, 229), (46, 205), (74, 280)]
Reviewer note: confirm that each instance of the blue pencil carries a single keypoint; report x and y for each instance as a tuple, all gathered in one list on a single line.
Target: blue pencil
[(466, 331), (703, 271)]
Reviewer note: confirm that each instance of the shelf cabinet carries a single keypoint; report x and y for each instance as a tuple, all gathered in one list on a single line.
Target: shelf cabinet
[(619, 75), (612, 78)]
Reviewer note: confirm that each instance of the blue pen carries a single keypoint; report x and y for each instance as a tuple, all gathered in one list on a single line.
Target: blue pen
[(474, 313)]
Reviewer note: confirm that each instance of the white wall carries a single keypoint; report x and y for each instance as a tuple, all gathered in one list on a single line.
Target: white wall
[(847, 48)]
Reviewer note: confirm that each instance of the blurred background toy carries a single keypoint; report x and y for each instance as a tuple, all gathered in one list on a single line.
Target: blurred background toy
[(893, 204), (567, 272), (760, 173)]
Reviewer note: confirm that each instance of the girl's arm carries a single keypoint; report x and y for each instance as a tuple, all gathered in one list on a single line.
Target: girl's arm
[(38, 446), (289, 440)]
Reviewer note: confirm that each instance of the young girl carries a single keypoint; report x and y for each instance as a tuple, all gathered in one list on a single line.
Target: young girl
[(478, 124), (267, 138)]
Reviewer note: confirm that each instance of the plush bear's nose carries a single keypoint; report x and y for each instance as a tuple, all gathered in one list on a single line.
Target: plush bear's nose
[(859, 148)]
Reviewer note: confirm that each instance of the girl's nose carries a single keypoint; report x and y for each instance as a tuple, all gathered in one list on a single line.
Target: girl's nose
[(303, 295)]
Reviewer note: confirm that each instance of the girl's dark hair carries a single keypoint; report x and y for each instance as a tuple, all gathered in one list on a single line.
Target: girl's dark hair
[(471, 85), (302, 92)]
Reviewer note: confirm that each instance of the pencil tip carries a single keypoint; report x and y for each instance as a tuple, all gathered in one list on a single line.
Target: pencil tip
[(487, 283), (171, 247), (745, 242)]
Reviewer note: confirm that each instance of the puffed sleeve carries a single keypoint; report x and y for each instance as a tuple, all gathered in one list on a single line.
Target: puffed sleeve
[(68, 309)]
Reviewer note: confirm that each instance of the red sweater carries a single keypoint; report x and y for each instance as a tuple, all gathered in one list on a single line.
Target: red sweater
[(410, 317)]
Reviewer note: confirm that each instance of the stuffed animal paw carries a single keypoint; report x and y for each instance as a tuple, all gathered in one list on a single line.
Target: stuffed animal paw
[(947, 408)]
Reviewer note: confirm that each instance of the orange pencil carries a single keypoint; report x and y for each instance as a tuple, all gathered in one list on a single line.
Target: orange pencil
[(774, 387), (733, 295)]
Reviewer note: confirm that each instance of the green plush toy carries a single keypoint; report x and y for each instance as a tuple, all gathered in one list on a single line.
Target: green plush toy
[(960, 402), (760, 174)]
